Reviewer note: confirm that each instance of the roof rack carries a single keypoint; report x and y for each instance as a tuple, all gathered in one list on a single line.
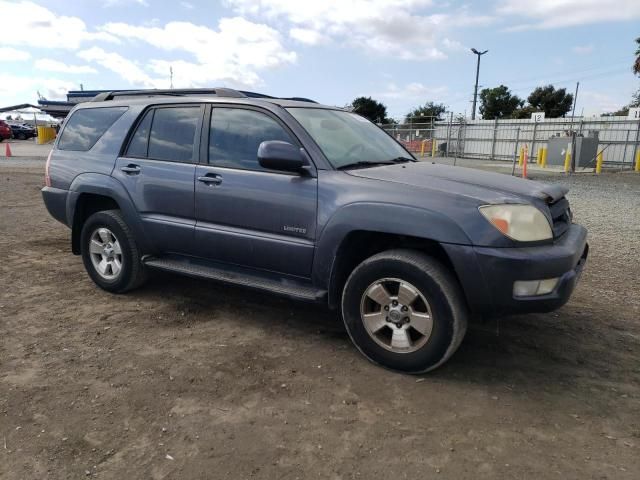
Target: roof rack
[(183, 92)]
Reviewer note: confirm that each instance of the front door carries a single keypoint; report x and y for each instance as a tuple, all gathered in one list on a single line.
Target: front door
[(158, 171), (247, 215)]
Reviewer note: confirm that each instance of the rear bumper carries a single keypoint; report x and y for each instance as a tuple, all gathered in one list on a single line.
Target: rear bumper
[(487, 275), (55, 199)]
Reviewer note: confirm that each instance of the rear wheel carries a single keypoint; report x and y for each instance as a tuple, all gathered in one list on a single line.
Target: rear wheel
[(404, 310), (110, 253)]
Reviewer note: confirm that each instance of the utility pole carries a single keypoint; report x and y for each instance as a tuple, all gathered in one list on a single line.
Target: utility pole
[(573, 134), (171, 77), (475, 90)]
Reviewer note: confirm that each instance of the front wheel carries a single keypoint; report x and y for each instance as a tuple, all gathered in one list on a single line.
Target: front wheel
[(404, 310), (110, 253)]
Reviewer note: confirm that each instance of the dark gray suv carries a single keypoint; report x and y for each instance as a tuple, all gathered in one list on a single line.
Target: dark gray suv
[(312, 202)]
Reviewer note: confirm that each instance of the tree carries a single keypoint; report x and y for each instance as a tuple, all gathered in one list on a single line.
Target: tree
[(371, 109), (425, 113), (554, 103), (524, 112), (498, 102), (636, 64)]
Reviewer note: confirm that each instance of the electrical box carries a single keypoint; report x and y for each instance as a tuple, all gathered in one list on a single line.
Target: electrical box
[(586, 150)]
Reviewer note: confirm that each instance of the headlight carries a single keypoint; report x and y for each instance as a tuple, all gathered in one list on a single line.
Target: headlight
[(523, 223)]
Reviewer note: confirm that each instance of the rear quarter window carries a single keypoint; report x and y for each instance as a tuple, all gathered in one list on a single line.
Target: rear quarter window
[(86, 126)]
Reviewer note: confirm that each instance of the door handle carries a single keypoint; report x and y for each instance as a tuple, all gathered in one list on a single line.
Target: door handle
[(131, 169), (211, 179)]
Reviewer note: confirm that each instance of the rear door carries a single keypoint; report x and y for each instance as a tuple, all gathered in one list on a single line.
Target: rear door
[(247, 215), (158, 171)]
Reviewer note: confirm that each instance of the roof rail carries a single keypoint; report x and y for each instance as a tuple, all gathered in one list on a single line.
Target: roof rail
[(182, 92), (178, 92)]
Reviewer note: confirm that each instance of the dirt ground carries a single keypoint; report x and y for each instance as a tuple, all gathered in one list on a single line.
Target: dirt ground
[(190, 379)]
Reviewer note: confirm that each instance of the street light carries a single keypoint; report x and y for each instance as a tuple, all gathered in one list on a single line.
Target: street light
[(475, 90)]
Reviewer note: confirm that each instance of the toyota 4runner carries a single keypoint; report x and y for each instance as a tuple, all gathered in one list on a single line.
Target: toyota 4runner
[(312, 202)]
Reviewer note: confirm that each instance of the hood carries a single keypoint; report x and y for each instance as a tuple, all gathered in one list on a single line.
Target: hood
[(487, 186)]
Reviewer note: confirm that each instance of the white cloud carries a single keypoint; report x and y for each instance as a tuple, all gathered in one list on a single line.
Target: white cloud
[(8, 54), (583, 49), (187, 5), (115, 3), (28, 24), (125, 68), (56, 66), (597, 103), (389, 27), (233, 53), (18, 89), (544, 14), (306, 36), (412, 91)]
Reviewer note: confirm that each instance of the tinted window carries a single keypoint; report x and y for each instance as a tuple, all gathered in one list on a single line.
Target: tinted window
[(173, 133), (86, 126), (236, 134), (140, 139)]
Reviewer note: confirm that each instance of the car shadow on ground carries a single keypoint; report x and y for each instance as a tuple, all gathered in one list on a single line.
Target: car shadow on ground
[(546, 351)]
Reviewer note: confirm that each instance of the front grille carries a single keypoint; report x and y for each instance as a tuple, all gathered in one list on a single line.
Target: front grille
[(561, 215)]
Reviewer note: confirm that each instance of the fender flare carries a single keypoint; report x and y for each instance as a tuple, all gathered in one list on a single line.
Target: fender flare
[(380, 218), (107, 186)]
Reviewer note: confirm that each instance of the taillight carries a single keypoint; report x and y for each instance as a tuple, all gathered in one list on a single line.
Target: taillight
[(47, 178)]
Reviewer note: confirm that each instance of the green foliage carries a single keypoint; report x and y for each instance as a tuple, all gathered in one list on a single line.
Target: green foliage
[(554, 103), (426, 113), (371, 109), (524, 112), (498, 102), (636, 63)]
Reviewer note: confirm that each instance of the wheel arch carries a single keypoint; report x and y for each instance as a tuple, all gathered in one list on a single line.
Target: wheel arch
[(92, 192), (359, 245)]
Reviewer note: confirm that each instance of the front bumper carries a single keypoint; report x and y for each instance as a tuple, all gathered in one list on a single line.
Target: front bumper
[(487, 275)]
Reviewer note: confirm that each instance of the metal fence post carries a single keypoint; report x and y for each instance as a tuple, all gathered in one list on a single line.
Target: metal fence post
[(449, 132), (493, 139), (515, 152)]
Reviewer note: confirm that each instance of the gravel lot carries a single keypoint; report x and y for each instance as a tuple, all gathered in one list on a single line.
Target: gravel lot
[(189, 379)]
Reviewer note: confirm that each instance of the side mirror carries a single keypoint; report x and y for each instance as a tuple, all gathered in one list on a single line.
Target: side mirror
[(278, 155)]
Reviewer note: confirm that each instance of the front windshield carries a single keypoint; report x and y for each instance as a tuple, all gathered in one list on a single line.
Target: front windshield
[(346, 138)]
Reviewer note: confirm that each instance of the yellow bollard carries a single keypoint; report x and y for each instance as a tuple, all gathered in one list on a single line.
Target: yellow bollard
[(521, 157), (567, 160), (637, 161), (433, 148), (539, 156), (422, 149), (599, 163)]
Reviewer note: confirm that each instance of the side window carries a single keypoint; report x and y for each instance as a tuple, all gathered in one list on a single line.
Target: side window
[(236, 134), (140, 139), (86, 126), (173, 132)]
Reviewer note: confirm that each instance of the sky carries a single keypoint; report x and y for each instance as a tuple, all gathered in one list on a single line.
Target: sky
[(400, 52)]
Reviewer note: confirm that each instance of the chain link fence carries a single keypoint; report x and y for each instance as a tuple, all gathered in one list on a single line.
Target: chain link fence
[(617, 138)]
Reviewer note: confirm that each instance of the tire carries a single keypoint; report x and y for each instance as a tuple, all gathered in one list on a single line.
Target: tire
[(21, 136), (434, 322), (124, 270)]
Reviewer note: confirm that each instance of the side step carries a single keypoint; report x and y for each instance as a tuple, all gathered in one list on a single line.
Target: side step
[(195, 267)]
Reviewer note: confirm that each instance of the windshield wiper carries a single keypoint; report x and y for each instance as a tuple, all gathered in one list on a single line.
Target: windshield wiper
[(363, 164), (403, 159)]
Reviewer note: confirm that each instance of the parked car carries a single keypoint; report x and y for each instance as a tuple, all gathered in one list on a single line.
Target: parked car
[(311, 202), (22, 131), (5, 131)]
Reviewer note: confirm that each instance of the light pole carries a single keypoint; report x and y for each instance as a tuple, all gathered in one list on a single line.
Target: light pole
[(475, 90)]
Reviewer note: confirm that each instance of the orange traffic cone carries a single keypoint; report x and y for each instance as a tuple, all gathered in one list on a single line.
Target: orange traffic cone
[(7, 150)]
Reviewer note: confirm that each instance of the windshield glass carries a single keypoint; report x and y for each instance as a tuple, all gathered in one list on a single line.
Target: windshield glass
[(346, 138)]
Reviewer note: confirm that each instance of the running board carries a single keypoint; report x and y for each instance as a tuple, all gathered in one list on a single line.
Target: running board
[(195, 267)]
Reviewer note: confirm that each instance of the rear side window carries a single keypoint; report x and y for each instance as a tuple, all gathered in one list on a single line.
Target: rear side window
[(86, 126), (173, 133), (166, 133)]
